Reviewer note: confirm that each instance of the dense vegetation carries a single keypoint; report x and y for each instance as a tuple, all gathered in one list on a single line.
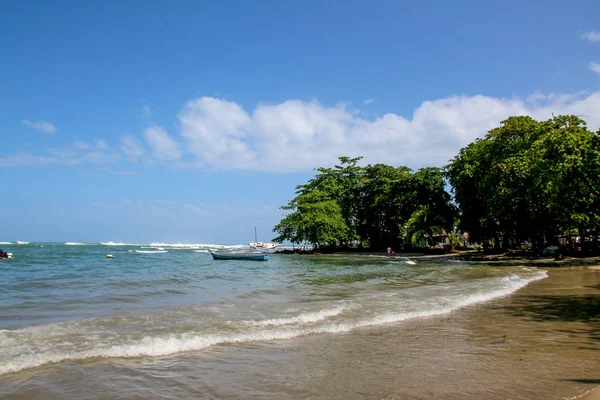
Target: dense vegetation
[(526, 181), (366, 206), (529, 181)]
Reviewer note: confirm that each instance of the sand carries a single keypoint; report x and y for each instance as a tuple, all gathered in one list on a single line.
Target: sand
[(541, 343)]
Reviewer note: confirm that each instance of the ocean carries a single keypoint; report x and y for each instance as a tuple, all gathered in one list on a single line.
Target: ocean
[(167, 321)]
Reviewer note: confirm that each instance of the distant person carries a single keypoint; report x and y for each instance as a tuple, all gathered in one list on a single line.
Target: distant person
[(389, 251)]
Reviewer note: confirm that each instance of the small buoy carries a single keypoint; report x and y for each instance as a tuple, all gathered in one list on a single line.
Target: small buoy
[(109, 256)]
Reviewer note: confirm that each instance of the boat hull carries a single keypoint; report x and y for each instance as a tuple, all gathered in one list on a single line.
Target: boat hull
[(240, 256)]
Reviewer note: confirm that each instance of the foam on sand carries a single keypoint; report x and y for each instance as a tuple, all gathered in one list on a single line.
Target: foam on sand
[(304, 318)]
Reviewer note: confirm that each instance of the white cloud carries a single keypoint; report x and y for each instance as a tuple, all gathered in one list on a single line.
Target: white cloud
[(101, 144), (215, 130), (299, 135), (98, 157), (163, 146), (23, 159), (369, 101), (76, 154), (591, 36), (594, 66), (131, 147), (42, 126)]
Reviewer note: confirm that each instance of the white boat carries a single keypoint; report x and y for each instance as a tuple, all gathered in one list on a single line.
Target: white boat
[(261, 245)]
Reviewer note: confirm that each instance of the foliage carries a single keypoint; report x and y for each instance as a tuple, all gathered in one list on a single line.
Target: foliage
[(422, 224), (369, 205), (528, 181), (454, 242)]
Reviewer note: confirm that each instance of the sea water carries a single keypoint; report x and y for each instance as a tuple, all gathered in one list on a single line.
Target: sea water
[(65, 306)]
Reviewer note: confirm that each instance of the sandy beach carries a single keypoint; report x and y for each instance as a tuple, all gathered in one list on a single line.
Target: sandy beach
[(539, 343)]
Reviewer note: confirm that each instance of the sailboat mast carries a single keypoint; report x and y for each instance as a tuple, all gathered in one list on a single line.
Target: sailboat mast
[(255, 235)]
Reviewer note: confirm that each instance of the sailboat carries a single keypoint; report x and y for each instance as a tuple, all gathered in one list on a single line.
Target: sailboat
[(261, 245)]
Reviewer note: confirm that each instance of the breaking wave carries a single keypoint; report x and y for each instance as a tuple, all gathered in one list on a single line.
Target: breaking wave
[(40, 345)]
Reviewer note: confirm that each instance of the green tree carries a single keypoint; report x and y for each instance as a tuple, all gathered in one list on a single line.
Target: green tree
[(321, 212), (316, 219), (371, 205), (528, 180), (381, 200), (423, 224)]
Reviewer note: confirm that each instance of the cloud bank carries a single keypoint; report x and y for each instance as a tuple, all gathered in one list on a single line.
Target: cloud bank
[(296, 135), (300, 135)]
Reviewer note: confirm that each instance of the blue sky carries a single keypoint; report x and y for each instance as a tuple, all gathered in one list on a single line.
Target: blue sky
[(194, 121)]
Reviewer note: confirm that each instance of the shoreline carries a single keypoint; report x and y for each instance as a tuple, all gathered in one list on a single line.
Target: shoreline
[(509, 259), (538, 343)]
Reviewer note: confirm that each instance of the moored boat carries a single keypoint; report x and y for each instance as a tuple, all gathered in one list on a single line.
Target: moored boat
[(261, 245), (239, 256)]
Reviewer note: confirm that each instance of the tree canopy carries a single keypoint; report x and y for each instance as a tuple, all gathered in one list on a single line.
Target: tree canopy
[(368, 205), (529, 181)]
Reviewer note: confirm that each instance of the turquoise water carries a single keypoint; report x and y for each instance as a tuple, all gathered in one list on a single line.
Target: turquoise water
[(62, 304)]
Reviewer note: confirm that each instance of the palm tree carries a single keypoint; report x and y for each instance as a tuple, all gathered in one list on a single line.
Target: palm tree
[(423, 223)]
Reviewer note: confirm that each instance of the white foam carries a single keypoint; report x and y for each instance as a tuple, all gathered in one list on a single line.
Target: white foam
[(305, 318), (40, 345), (117, 244), (200, 251), (181, 246), (19, 242), (196, 246), (5, 242), (74, 244), (150, 251)]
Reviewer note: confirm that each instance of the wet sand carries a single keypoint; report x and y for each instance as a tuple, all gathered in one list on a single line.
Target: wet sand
[(542, 342)]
